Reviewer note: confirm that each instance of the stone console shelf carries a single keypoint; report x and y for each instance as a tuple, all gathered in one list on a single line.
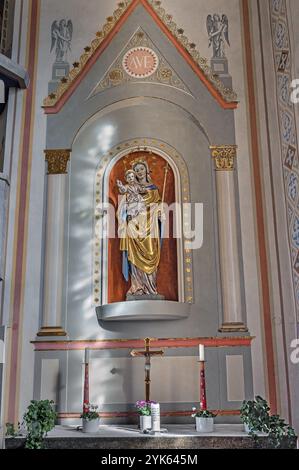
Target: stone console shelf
[(143, 310)]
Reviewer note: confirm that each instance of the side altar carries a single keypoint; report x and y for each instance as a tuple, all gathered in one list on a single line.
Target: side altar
[(128, 437), (142, 225)]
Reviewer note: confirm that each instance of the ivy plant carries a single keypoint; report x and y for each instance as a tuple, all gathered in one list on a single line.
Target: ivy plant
[(256, 415), (39, 419)]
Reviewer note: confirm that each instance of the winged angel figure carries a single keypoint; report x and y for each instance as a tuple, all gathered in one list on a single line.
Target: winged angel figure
[(218, 33), (61, 35)]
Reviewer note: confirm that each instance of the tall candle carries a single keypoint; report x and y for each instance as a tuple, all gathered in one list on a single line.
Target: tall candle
[(201, 352), (86, 356)]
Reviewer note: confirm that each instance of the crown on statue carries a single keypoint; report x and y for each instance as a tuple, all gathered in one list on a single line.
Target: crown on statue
[(140, 161)]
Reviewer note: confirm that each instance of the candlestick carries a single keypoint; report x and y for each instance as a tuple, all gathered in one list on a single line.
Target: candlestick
[(202, 386), (201, 349), (86, 360), (86, 388)]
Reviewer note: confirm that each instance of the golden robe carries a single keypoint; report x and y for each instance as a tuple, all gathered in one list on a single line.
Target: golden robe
[(140, 237)]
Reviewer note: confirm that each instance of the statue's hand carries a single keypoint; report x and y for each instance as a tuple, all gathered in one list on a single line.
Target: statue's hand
[(143, 190)]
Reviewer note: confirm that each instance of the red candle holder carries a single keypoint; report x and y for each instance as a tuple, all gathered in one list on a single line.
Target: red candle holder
[(86, 389), (202, 386)]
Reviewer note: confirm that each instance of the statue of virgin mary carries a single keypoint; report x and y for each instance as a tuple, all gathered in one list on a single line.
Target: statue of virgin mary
[(140, 234)]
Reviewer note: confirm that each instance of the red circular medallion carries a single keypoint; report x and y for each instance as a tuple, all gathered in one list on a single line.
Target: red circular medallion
[(140, 62)]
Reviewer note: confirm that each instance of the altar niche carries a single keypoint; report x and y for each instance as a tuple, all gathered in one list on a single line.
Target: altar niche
[(166, 283), (148, 278)]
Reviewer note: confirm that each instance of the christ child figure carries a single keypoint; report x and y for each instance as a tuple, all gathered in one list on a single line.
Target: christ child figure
[(133, 191)]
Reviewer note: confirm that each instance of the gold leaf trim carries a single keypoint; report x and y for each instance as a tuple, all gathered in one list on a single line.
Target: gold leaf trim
[(224, 156), (57, 160)]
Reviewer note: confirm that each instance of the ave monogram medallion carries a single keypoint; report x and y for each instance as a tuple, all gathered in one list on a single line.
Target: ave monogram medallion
[(140, 62)]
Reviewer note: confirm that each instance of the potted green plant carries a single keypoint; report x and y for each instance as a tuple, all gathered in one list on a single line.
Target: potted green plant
[(204, 420), (39, 419), (90, 419), (255, 414), (280, 434), (12, 431), (144, 412)]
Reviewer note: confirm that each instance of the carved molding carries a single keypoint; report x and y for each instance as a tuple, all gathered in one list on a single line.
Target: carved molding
[(66, 82), (224, 157), (57, 160)]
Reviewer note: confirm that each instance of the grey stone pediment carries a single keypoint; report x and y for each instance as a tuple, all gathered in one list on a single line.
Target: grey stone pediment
[(116, 74), (185, 89)]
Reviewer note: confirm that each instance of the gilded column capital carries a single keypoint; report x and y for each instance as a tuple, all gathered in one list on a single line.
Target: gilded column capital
[(224, 156), (57, 160)]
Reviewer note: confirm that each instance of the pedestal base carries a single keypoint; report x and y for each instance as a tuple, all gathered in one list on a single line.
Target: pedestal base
[(219, 66), (233, 327), (143, 310), (59, 70), (52, 331), (131, 297)]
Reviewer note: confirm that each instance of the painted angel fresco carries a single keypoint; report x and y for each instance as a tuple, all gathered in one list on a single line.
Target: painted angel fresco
[(61, 35), (218, 34)]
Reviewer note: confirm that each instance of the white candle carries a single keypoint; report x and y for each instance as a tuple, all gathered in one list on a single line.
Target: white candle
[(86, 356), (155, 412), (201, 352)]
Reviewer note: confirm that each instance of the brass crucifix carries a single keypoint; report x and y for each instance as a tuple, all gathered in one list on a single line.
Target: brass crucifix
[(147, 353)]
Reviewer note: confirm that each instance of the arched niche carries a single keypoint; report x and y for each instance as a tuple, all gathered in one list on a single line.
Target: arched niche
[(168, 266), (174, 278), (106, 134)]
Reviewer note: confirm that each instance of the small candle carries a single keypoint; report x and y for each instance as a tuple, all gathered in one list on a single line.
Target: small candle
[(201, 352), (86, 356), (155, 413)]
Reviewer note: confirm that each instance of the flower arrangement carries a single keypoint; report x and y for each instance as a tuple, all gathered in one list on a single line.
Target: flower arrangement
[(202, 413), (91, 414), (144, 407), (204, 420)]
